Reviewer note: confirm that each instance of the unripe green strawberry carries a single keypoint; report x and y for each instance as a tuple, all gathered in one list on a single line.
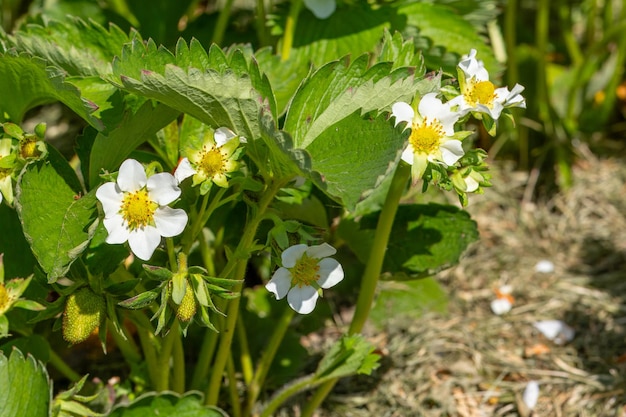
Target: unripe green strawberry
[(83, 309), (187, 307)]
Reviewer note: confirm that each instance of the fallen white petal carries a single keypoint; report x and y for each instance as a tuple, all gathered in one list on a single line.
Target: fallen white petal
[(531, 394), (555, 330), (500, 306), (544, 266)]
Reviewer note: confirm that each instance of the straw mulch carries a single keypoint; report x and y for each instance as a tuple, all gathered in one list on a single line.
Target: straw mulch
[(471, 362)]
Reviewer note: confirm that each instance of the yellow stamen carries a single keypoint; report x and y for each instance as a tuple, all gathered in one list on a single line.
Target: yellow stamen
[(138, 210), (4, 299), (305, 272), (426, 137), (480, 92), (212, 161)]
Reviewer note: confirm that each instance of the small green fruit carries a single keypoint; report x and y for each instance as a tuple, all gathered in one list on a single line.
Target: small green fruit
[(83, 309), (187, 307)]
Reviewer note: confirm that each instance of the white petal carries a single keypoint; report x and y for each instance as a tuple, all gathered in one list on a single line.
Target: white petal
[(291, 255), (408, 155), (471, 184), (544, 266), (500, 306), (144, 241), (163, 188), (280, 283), (555, 330), (118, 232), (170, 222), (303, 299), (1, 196), (321, 251), (451, 151), (331, 273), (132, 176), (111, 198), (223, 135), (403, 112), (184, 170), (322, 9), (531, 394)]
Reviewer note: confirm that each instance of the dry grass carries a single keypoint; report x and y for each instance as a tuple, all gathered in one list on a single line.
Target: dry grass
[(472, 363)]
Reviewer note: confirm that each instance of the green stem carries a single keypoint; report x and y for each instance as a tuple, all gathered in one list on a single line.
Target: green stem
[(147, 340), (239, 260), (165, 354), (125, 344), (372, 270), (62, 367), (246, 359), (261, 30), (263, 366), (204, 360), (232, 388), (290, 28), (171, 254), (222, 22), (178, 377), (282, 396)]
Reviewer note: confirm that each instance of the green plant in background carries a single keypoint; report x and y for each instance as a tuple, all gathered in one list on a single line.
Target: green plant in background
[(572, 65), (210, 180)]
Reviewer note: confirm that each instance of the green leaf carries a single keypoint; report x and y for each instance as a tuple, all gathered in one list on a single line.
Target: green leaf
[(350, 355), (424, 239), (440, 27), (55, 218), (353, 155), (109, 150), (168, 404), (35, 345), (25, 389), (231, 95), (337, 90), (350, 30), (18, 258), (78, 47), (27, 82)]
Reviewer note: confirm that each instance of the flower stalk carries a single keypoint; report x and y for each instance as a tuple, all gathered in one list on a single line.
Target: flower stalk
[(372, 270)]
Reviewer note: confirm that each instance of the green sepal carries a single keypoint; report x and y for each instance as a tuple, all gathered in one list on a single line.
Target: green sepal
[(158, 273), (141, 300)]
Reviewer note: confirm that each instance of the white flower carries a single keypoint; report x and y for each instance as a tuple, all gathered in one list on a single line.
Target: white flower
[(555, 330), (135, 208), (322, 9), (305, 271), (212, 162), (478, 94), (500, 306), (432, 133), (531, 394)]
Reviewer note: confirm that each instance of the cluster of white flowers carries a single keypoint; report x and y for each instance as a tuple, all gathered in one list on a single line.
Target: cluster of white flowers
[(433, 138)]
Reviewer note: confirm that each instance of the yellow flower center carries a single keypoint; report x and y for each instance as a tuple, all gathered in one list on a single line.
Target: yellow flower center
[(28, 149), (4, 299), (426, 137), (480, 92), (305, 272), (212, 161), (138, 210)]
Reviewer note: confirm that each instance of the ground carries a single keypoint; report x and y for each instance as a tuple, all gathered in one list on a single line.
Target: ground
[(470, 362)]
